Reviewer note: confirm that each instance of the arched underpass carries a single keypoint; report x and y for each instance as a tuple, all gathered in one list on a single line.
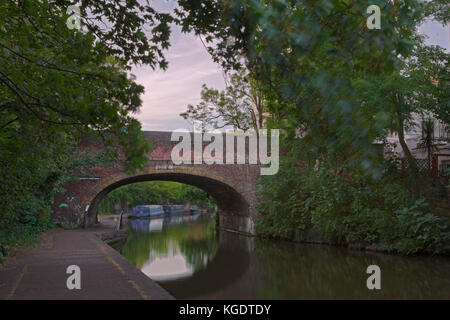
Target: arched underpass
[(229, 201), (231, 185)]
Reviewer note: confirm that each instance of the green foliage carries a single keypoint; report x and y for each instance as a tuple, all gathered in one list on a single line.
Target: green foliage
[(349, 208), (32, 176), (439, 10), (197, 242), (157, 192), (335, 87), (421, 230), (58, 84), (310, 56), (240, 105), (427, 141), (414, 89), (322, 73)]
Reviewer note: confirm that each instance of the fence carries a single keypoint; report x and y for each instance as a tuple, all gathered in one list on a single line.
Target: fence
[(425, 165), (422, 165)]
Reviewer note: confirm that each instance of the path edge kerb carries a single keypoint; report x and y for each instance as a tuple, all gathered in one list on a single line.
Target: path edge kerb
[(147, 288)]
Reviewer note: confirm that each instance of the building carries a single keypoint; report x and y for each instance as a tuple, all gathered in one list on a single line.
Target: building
[(415, 134)]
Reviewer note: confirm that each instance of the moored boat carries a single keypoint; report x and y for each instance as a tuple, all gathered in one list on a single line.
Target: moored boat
[(147, 211), (143, 211)]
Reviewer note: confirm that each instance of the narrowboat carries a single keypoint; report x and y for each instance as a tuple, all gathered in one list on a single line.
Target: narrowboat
[(147, 211), (155, 210), (176, 208)]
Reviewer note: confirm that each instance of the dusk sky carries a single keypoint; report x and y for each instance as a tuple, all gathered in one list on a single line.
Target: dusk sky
[(167, 93)]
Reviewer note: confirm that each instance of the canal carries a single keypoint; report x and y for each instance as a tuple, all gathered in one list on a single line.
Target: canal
[(192, 260)]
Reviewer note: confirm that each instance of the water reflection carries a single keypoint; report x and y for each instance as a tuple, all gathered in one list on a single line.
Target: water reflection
[(172, 247), (191, 260), (157, 224), (171, 266)]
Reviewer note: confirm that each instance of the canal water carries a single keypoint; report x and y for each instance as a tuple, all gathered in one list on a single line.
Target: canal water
[(192, 260)]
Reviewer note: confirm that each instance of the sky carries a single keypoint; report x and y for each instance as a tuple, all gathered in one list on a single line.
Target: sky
[(167, 93)]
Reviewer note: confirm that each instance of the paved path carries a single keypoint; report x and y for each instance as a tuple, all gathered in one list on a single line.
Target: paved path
[(39, 272)]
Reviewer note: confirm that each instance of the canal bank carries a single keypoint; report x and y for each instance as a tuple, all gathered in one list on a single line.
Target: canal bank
[(40, 271)]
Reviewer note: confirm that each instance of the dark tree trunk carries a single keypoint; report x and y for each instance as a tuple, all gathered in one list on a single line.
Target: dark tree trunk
[(401, 128)]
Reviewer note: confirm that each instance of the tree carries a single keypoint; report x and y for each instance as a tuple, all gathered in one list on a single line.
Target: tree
[(427, 142), (57, 84), (439, 10), (240, 105), (415, 90), (310, 56), (344, 86), (442, 110), (76, 81)]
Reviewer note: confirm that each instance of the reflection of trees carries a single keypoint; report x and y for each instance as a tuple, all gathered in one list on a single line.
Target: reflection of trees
[(199, 251), (288, 271), (139, 245), (196, 241)]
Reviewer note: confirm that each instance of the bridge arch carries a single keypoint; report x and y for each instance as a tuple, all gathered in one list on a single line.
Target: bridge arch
[(231, 185), (232, 200)]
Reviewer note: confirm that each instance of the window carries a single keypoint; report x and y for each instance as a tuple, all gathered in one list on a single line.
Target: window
[(444, 131)]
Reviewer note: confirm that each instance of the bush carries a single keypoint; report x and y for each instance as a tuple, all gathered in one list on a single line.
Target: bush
[(348, 209), (420, 230)]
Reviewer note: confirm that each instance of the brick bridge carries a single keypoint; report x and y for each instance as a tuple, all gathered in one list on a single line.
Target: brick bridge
[(231, 185)]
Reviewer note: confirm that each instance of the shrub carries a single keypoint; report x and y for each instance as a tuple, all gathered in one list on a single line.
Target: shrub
[(348, 209)]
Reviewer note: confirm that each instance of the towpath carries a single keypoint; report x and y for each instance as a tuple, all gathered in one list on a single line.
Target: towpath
[(39, 271)]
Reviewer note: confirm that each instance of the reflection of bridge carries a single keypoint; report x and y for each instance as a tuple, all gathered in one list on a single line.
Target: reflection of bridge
[(233, 252), (231, 185)]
